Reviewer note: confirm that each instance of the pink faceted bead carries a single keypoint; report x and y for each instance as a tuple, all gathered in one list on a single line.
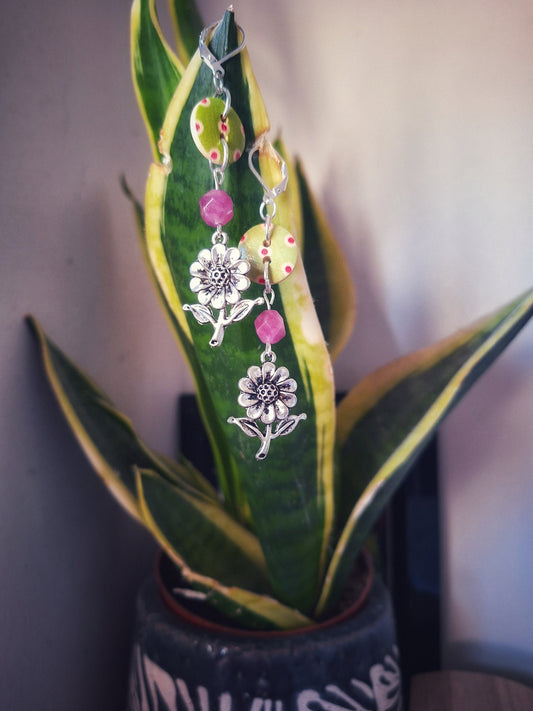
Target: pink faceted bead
[(269, 326), (216, 208)]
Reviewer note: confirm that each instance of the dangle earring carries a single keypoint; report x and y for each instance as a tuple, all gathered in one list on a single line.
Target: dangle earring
[(267, 392), (219, 273)]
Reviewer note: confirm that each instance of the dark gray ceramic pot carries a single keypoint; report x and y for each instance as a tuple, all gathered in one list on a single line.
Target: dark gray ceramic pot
[(179, 664)]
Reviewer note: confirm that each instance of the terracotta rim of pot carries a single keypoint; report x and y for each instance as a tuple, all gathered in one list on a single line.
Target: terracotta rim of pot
[(181, 611)]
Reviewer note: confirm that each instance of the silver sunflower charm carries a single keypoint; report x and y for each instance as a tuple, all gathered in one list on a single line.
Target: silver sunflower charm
[(218, 279), (267, 393)]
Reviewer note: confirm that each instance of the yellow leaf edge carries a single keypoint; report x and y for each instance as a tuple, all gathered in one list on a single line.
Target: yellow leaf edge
[(135, 25), (264, 606), (97, 461), (384, 381)]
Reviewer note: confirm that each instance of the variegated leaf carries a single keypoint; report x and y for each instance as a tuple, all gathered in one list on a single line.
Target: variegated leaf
[(227, 478), (327, 271), (187, 27), (106, 435), (295, 545), (218, 559), (156, 69), (386, 420)]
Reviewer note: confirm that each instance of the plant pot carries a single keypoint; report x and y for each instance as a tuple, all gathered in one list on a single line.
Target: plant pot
[(182, 662)]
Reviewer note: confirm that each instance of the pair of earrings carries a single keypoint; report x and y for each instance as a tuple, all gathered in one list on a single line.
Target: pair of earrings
[(266, 254)]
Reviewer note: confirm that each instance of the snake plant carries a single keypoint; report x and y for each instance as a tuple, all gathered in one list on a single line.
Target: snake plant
[(273, 544)]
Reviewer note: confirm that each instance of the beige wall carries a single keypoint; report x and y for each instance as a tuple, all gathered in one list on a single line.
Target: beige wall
[(414, 121)]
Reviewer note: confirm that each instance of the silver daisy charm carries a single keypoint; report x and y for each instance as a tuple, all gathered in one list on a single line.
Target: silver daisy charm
[(218, 279), (267, 393)]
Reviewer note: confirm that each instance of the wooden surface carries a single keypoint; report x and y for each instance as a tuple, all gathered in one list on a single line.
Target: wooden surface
[(468, 691)]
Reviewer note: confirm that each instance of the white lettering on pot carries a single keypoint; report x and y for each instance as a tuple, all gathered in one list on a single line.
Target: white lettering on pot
[(384, 692), (153, 689)]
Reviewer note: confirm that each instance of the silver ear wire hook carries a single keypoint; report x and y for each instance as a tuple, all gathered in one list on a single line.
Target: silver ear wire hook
[(209, 58), (277, 190)]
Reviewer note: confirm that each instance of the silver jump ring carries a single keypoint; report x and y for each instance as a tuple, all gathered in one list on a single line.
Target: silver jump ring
[(227, 102), (267, 209), (219, 170), (219, 237), (268, 354), (268, 287), (268, 291)]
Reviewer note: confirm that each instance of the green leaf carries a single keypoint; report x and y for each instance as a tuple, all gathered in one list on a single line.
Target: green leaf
[(251, 610), (106, 435), (187, 27), (290, 494), (200, 533), (156, 69), (386, 420), (330, 281), (158, 270), (170, 498), (218, 558)]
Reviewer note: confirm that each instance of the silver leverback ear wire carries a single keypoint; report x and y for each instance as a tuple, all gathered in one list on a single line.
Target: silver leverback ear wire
[(209, 58), (267, 209), (270, 193)]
